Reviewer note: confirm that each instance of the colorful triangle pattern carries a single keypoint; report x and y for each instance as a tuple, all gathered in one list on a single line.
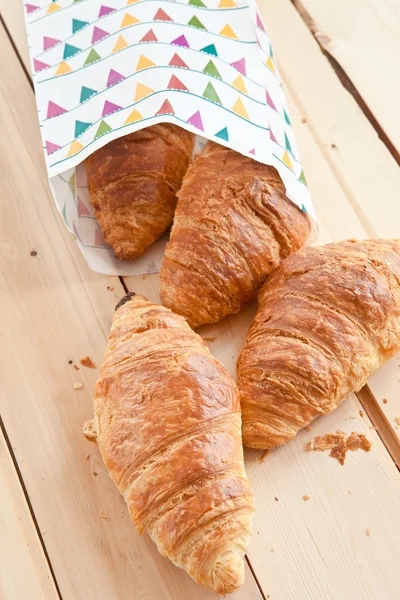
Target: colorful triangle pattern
[(83, 210), (49, 42), (93, 56), (77, 25), (144, 63), (240, 65), (129, 20), (223, 134), (86, 93), (74, 148), (70, 50), (133, 117), (165, 108), (195, 22), (197, 3), (149, 37), (227, 31), (63, 68), (239, 84), (72, 184), (181, 41), (227, 4), (120, 44), (161, 15), (240, 109), (52, 8), (142, 91), (210, 49), (114, 77), (211, 94), (176, 61), (109, 108), (50, 147), (80, 127), (39, 65), (211, 69), (176, 84), (102, 129), (196, 121), (98, 34), (286, 160), (105, 10), (54, 110), (30, 8)]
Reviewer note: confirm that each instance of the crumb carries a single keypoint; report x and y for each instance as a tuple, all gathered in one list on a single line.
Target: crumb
[(352, 418), (276, 499), (87, 456), (44, 531), (339, 443), (77, 386), (368, 531), (33, 253), (333, 145), (264, 456), (373, 427), (397, 419), (95, 474), (104, 516), (305, 498), (143, 276), (76, 368), (302, 120), (339, 452), (272, 549), (361, 413), (209, 339), (350, 492), (308, 428), (70, 362), (86, 361), (110, 289), (121, 515), (384, 401)]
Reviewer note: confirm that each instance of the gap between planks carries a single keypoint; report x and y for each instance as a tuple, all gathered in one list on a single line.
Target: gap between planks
[(28, 503), (346, 80)]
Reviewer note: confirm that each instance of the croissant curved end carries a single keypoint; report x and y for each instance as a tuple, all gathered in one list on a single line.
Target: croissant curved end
[(227, 574)]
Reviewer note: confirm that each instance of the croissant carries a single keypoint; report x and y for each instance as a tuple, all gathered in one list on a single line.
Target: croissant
[(132, 184), (233, 225), (168, 426), (327, 319)]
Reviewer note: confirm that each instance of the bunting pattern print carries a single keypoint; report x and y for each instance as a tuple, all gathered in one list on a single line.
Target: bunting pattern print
[(106, 68)]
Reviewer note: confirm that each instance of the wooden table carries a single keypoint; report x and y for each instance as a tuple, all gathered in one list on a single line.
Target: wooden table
[(340, 64)]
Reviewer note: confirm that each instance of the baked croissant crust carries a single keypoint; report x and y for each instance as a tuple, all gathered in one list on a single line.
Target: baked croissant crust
[(233, 225), (132, 184), (327, 319), (168, 425)]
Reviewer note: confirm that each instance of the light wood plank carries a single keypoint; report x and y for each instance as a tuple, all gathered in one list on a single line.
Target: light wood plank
[(362, 164), (12, 14), (363, 37), (53, 309), (23, 564)]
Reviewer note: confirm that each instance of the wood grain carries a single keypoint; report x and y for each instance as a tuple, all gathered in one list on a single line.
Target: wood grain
[(363, 37), (53, 310), (23, 564)]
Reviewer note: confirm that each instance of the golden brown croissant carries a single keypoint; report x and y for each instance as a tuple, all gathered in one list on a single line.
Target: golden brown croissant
[(168, 425), (327, 319), (233, 225), (132, 184)]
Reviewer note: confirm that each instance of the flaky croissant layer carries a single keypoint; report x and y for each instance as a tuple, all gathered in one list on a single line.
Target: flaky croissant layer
[(328, 317), (232, 226), (168, 425)]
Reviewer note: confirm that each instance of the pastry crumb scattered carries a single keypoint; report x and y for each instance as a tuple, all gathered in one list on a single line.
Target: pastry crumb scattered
[(87, 456), (276, 499), (368, 531), (308, 428), (339, 443), (361, 413), (104, 516), (384, 401), (95, 474), (302, 120), (373, 427), (76, 368), (110, 289), (86, 361), (77, 386), (350, 492), (264, 455), (397, 419), (209, 339), (272, 549), (305, 498), (33, 253)]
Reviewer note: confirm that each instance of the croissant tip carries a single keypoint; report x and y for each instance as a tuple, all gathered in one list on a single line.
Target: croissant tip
[(125, 299), (228, 573)]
